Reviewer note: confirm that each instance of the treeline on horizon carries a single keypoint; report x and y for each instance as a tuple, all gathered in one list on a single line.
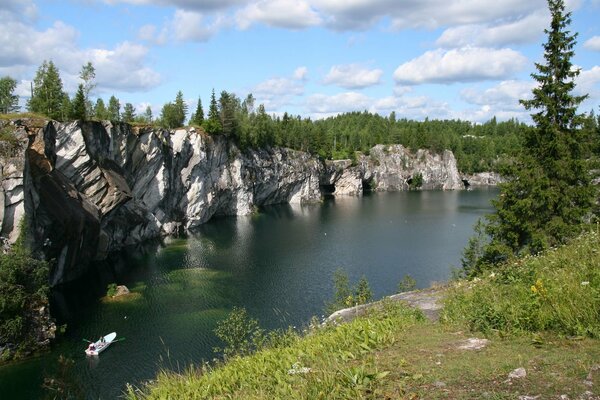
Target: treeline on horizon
[(477, 147)]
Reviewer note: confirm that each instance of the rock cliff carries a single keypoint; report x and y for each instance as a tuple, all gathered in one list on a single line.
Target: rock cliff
[(89, 188)]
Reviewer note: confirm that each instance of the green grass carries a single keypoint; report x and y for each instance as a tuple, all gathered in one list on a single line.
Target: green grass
[(558, 291)]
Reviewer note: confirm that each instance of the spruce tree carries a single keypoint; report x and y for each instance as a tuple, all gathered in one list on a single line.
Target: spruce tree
[(198, 117), (78, 106), (549, 193), (181, 110), (213, 124), (100, 111), (128, 113), (114, 109)]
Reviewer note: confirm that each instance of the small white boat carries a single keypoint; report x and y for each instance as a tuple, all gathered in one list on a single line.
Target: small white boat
[(99, 346)]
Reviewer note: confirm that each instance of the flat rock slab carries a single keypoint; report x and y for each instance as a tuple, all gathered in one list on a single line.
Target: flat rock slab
[(428, 300)]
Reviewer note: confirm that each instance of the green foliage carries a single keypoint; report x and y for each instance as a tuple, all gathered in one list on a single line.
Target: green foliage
[(23, 289), (212, 125), (473, 253), (558, 291), (62, 384), (327, 363), (240, 333), (345, 296), (407, 284), (128, 113), (87, 75), (9, 102), (100, 111), (114, 109), (78, 105), (173, 114), (416, 181), (48, 96), (197, 118), (111, 290), (550, 193)]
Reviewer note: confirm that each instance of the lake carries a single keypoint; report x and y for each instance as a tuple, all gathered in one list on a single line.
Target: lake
[(278, 264)]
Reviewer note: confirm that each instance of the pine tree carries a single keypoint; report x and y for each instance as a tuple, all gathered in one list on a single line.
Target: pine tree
[(114, 109), (100, 111), (198, 117), (9, 102), (78, 108), (128, 113), (213, 124), (48, 95), (549, 193)]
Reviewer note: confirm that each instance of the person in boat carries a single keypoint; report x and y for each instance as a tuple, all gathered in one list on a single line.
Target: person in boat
[(91, 347)]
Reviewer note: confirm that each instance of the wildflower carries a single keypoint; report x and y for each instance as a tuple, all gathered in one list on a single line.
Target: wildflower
[(493, 275), (585, 283), (297, 369)]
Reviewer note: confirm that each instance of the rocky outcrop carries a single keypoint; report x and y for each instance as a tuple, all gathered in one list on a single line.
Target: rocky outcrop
[(89, 188), (393, 168), (483, 179)]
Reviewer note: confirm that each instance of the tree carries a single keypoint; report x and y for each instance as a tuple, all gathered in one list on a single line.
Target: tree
[(197, 118), (48, 95), (169, 116), (148, 115), (213, 124), (128, 113), (78, 108), (100, 111), (181, 109), (549, 193), (87, 75), (114, 109), (9, 102)]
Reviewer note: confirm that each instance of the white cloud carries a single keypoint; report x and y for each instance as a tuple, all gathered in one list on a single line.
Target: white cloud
[(505, 95), (523, 30), (195, 5), (301, 74), (191, 26), (469, 64), (290, 14), (588, 82), (18, 10), (592, 43), (414, 107), (361, 14), (353, 76), (120, 68), (278, 92)]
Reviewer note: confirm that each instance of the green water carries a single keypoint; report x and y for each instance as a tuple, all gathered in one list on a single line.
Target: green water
[(278, 264)]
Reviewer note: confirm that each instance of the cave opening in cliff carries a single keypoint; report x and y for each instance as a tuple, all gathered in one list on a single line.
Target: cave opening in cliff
[(368, 186), (327, 190)]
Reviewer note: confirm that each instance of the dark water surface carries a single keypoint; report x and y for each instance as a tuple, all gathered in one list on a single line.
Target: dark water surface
[(278, 264)]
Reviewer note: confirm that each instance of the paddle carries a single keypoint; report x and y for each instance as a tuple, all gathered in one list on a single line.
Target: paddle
[(85, 340), (118, 340)]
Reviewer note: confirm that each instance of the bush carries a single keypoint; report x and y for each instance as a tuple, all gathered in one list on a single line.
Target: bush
[(557, 291), (407, 284), (344, 296), (240, 333), (111, 290)]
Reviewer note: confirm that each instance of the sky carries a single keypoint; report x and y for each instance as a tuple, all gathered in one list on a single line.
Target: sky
[(436, 59)]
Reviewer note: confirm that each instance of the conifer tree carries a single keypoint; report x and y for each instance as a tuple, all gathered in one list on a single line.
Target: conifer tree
[(128, 113), (549, 193), (114, 109), (78, 106), (198, 117), (48, 95), (148, 115), (181, 110), (213, 124), (100, 111)]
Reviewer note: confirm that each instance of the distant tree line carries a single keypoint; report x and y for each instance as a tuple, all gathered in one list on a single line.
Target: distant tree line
[(477, 147)]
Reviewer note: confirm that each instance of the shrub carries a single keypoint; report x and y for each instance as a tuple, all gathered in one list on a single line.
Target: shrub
[(344, 296), (111, 290), (407, 284)]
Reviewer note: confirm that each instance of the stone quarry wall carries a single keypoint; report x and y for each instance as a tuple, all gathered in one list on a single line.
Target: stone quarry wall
[(89, 188)]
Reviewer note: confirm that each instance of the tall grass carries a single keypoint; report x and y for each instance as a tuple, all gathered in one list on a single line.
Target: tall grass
[(557, 291), (321, 365)]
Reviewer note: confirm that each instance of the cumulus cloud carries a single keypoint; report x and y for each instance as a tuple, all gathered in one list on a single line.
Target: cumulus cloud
[(119, 68), (192, 26), (194, 5), (523, 30), (592, 43), (414, 107), (301, 73), (469, 64), (353, 76), (290, 14), (505, 95), (588, 82)]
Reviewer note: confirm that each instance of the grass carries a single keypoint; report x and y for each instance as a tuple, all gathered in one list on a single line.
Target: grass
[(539, 313)]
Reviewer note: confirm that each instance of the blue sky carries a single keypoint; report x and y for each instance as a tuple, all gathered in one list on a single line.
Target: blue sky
[(467, 59)]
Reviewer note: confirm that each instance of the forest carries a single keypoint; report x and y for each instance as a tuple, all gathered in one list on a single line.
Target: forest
[(478, 147)]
